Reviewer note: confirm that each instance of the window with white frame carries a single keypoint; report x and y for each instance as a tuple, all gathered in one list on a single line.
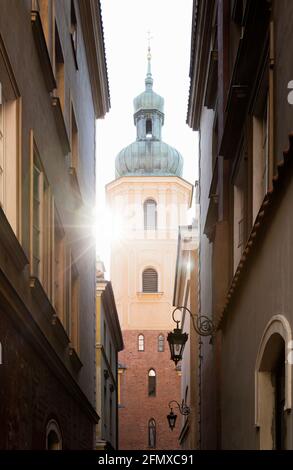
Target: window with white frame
[(161, 343), (74, 142), (141, 342), (73, 317), (150, 214), (59, 267), (9, 159), (59, 69), (41, 223)]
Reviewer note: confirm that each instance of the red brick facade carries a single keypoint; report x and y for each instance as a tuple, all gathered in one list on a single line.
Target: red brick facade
[(136, 407)]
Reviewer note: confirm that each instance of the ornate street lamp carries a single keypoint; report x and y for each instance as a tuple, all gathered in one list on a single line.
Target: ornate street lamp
[(203, 325), (171, 417)]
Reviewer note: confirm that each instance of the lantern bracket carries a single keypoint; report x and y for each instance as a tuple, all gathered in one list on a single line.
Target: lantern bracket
[(202, 324)]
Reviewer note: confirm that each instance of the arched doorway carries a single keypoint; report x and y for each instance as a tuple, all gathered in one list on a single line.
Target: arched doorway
[(273, 381)]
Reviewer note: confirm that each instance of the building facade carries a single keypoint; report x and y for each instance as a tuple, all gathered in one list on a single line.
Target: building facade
[(109, 343), (148, 199), (53, 87), (186, 295), (241, 104)]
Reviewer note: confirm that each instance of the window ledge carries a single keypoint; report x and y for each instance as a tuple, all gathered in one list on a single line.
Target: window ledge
[(44, 303), (74, 357), (74, 52), (41, 44), (212, 80), (75, 182), (60, 124), (59, 330), (150, 294), (10, 243), (41, 297)]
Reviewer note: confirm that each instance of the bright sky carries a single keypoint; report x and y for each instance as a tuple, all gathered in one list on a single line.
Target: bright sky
[(126, 23)]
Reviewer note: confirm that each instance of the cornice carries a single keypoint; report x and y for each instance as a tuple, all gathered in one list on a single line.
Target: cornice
[(280, 181), (200, 48), (91, 19)]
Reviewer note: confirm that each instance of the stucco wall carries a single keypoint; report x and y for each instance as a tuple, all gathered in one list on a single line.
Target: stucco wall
[(265, 290), (207, 372), (37, 114)]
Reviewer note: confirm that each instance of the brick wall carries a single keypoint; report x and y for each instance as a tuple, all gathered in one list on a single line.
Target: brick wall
[(30, 395), (136, 406)]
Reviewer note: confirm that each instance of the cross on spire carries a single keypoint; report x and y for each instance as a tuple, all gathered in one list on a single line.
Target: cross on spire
[(149, 80), (149, 45)]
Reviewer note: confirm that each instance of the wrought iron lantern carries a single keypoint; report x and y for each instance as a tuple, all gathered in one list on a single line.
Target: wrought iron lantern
[(177, 340), (203, 325), (171, 417)]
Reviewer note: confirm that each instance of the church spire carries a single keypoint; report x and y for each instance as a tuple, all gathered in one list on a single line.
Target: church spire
[(149, 79)]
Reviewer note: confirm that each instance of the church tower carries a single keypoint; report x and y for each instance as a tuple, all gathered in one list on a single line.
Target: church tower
[(149, 200)]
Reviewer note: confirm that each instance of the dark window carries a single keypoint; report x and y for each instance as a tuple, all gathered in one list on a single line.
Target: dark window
[(73, 32), (140, 342), (152, 433), (150, 280), (152, 383), (148, 126), (161, 343), (150, 214), (59, 69)]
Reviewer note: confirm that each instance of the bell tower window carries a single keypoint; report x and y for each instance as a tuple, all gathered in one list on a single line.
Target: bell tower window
[(148, 128)]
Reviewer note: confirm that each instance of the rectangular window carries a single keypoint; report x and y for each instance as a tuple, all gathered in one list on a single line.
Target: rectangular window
[(37, 220), (59, 267), (41, 224), (1, 150), (74, 320), (74, 142), (9, 160), (59, 69), (240, 209), (260, 127), (73, 32), (45, 9)]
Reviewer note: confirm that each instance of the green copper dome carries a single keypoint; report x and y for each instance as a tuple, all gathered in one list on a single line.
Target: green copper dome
[(149, 155), (149, 158)]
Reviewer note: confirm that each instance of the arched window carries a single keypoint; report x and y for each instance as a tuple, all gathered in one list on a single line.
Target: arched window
[(148, 128), (152, 383), (152, 433), (140, 342), (53, 436), (161, 341), (150, 214), (273, 383), (150, 280)]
